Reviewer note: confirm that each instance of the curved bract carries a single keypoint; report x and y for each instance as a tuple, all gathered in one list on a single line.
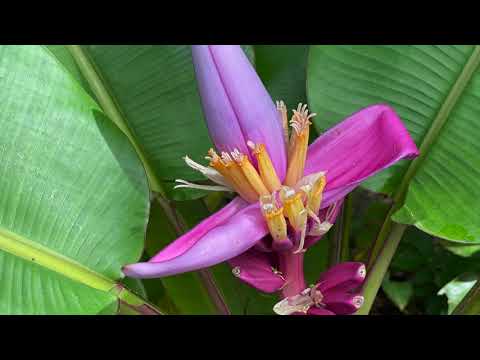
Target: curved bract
[(219, 243)]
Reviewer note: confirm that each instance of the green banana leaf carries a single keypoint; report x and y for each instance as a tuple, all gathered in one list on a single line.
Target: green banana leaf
[(283, 70), (435, 90), (74, 199)]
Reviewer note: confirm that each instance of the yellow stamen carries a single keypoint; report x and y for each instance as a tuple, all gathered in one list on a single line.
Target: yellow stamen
[(233, 175), (217, 163), (316, 194), (298, 144), (293, 124), (282, 110), (294, 209), (274, 217), (265, 167), (250, 173), (242, 185), (296, 161)]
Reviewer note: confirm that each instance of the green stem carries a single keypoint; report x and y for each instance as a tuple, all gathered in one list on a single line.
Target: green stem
[(382, 235), (470, 304), (379, 269), (132, 304)]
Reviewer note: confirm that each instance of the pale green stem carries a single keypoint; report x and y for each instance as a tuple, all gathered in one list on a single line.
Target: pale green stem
[(376, 274), (132, 304), (382, 235)]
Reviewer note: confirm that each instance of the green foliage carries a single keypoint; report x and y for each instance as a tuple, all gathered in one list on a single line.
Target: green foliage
[(435, 91), (283, 70), (74, 194), (92, 141), (456, 289), (154, 88), (421, 271), (400, 292)]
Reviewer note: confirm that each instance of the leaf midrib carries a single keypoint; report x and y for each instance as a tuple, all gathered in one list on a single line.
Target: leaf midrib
[(112, 109), (428, 140), (439, 121), (379, 261), (35, 253)]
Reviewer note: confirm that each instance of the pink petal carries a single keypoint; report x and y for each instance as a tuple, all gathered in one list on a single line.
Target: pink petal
[(253, 106), (264, 245), (317, 311), (255, 268), (187, 240), (206, 248), (346, 276), (342, 302), (360, 146)]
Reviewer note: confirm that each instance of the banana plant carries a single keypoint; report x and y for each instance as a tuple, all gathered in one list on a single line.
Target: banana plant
[(93, 139)]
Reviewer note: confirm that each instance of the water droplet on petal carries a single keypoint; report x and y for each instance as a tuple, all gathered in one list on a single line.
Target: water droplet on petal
[(358, 301), (362, 271), (236, 271)]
